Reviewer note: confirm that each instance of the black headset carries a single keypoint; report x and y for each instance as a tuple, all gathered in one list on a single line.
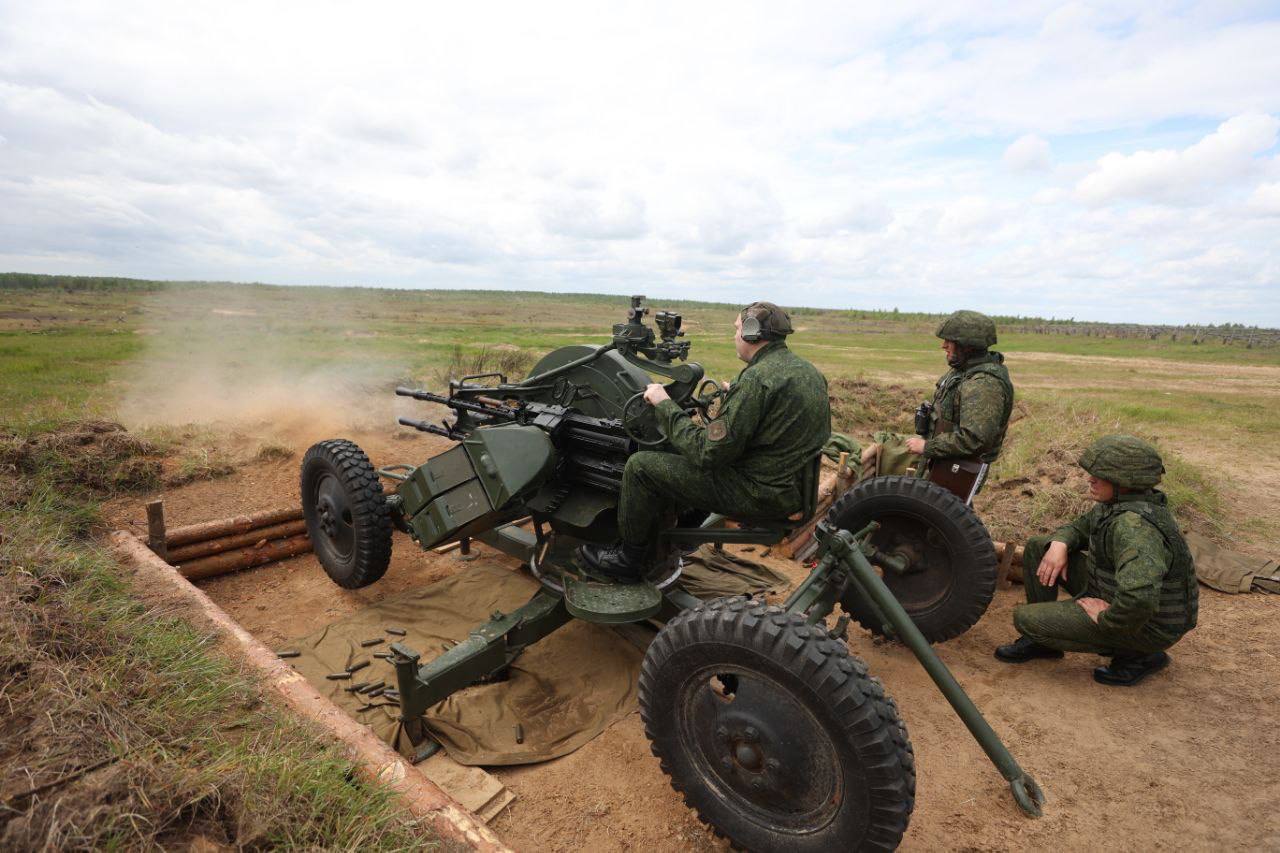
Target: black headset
[(752, 330)]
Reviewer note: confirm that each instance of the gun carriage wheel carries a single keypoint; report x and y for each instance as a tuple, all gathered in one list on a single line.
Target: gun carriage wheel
[(346, 512), (774, 733), (945, 572)]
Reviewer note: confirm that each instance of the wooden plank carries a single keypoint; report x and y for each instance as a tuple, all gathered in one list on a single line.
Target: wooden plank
[(157, 540)]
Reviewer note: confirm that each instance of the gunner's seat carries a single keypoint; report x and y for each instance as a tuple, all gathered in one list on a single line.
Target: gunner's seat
[(756, 530)]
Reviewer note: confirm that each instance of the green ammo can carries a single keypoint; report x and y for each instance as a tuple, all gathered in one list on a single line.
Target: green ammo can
[(473, 486)]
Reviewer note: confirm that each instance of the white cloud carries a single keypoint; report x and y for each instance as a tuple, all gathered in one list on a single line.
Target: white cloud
[(1228, 154), (1266, 199), (866, 215), (595, 217), (821, 153), (1029, 153)]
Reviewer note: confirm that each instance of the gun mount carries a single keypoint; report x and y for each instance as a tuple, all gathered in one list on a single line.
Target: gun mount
[(771, 750)]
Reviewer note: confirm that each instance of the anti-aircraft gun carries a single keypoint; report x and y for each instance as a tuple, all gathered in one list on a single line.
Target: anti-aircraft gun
[(759, 714)]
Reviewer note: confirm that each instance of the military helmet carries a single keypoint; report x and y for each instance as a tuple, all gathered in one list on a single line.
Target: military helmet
[(764, 321), (969, 328), (1125, 460)]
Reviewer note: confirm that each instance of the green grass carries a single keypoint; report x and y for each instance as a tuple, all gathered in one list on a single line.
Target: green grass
[(48, 376), (91, 675)]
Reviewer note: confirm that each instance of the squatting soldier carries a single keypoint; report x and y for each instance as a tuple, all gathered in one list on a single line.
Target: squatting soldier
[(1124, 561), (970, 410), (748, 461)]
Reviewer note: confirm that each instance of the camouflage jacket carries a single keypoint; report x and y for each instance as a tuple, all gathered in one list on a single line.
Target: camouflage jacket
[(971, 409), (774, 419), (1139, 564)]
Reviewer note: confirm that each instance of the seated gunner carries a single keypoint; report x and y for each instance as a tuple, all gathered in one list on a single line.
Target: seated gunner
[(748, 461)]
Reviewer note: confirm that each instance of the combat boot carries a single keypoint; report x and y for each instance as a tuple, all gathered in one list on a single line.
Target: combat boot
[(1024, 649), (621, 562), (1126, 670)]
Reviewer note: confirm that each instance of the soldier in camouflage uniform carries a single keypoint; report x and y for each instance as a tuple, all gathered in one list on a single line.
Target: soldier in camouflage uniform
[(1124, 562), (971, 405), (747, 461)]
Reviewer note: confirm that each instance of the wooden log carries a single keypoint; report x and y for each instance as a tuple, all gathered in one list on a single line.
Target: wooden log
[(157, 540), (244, 558), (227, 526), (186, 553), (1005, 567), (374, 760)]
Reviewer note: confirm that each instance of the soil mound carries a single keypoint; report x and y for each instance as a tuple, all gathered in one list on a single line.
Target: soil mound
[(860, 405), (97, 457)]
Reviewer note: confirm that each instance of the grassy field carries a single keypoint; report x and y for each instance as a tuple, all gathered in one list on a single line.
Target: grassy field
[(193, 752)]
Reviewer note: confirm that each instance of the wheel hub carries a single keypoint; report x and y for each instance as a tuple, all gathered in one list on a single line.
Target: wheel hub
[(762, 747), (333, 516), (328, 523), (924, 573), (748, 756)]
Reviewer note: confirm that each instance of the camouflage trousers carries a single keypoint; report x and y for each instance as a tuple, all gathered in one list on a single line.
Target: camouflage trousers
[(1064, 625), (657, 485)]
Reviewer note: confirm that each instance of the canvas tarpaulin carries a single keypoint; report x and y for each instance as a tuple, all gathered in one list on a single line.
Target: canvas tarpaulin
[(709, 573), (894, 457), (562, 691), (1229, 571)]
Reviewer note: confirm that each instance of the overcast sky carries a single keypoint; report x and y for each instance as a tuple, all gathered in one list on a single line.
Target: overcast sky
[(1035, 158)]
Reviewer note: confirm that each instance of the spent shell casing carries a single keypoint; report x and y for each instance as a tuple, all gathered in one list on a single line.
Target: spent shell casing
[(364, 644), (383, 655), (519, 733), (356, 667), (372, 694), (399, 632), (356, 688), (289, 653), (372, 685), (338, 676)]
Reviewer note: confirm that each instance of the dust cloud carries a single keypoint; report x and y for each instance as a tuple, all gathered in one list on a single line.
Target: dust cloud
[(260, 364)]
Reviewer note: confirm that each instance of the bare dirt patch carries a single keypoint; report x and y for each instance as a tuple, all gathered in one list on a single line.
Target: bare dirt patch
[(1166, 765)]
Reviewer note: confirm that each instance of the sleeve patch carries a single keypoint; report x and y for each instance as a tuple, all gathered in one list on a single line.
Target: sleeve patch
[(717, 430)]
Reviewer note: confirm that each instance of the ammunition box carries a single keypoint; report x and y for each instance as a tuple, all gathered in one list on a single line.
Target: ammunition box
[(472, 487)]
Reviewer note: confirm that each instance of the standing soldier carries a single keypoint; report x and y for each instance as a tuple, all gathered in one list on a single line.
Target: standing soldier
[(1124, 561), (967, 419), (747, 461)]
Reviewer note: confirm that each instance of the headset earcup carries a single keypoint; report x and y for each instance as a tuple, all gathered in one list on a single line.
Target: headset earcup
[(751, 330)]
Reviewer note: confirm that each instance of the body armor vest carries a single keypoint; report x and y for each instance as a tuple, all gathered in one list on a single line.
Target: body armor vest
[(1179, 593), (946, 403)]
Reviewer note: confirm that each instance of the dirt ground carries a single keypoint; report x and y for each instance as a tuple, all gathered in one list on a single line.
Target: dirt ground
[(1187, 761)]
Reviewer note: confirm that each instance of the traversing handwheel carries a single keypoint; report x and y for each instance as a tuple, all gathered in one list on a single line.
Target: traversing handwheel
[(640, 422)]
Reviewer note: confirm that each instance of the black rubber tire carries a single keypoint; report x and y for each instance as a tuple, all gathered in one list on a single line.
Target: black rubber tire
[(948, 599), (356, 548), (843, 752)]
